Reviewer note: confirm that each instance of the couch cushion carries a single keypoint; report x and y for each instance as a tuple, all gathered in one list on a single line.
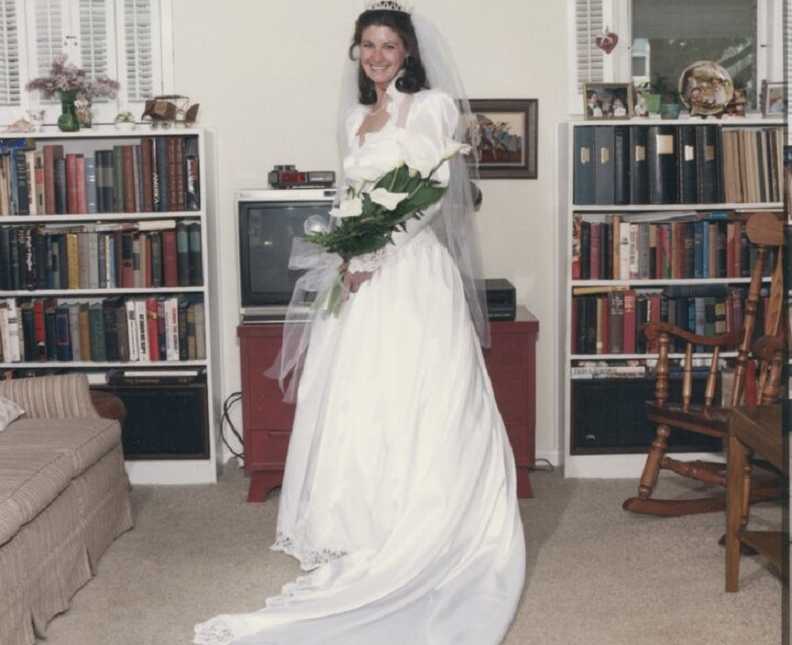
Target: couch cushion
[(86, 441), (30, 478)]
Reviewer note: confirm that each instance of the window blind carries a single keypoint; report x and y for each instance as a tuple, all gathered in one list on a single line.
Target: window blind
[(9, 54), (47, 35), (138, 48), (95, 37), (588, 23), (788, 67)]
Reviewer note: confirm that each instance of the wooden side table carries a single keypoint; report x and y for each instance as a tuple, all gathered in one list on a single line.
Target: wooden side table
[(267, 420), (751, 429)]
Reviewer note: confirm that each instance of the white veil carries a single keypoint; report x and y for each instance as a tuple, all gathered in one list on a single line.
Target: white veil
[(453, 224)]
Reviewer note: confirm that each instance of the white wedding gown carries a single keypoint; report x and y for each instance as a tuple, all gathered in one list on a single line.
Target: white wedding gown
[(399, 493)]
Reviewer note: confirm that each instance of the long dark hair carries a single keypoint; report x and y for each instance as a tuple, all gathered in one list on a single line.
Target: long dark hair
[(414, 77)]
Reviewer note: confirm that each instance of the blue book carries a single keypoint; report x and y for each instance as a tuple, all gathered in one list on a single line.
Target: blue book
[(698, 255)]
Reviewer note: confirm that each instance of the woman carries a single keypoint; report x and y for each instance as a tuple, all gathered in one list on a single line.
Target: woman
[(399, 492)]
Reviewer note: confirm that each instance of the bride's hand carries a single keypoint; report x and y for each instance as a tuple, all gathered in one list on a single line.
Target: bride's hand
[(353, 280)]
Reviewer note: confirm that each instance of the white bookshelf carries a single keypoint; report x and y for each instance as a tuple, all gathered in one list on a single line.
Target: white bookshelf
[(154, 471), (623, 465)]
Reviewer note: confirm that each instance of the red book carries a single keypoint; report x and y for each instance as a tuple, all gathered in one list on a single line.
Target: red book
[(178, 148), (173, 197), (629, 324), (40, 330), (152, 322), (82, 201), (71, 184), (170, 258), (51, 153)]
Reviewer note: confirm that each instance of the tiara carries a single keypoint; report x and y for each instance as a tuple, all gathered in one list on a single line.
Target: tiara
[(388, 5)]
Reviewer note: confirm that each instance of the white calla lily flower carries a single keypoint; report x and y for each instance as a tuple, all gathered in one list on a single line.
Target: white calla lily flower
[(386, 198), (348, 208)]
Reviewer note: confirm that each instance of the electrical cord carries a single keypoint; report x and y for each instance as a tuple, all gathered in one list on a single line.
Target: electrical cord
[(547, 469), (231, 399)]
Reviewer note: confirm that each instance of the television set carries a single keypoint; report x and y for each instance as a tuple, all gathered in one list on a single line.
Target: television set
[(267, 222)]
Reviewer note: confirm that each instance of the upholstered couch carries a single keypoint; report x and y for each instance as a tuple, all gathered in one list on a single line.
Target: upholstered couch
[(64, 498)]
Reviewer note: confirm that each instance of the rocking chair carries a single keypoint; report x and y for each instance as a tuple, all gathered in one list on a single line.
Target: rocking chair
[(765, 231)]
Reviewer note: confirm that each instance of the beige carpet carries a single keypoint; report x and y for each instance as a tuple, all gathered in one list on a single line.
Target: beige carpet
[(595, 576)]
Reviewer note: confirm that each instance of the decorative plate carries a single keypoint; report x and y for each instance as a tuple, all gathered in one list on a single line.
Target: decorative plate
[(705, 88)]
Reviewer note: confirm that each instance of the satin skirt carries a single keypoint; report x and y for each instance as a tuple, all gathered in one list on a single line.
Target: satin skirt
[(399, 496)]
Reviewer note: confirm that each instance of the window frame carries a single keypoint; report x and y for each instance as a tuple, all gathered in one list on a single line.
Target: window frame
[(104, 110), (617, 15)]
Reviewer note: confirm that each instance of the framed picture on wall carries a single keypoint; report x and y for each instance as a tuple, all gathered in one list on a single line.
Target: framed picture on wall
[(504, 132)]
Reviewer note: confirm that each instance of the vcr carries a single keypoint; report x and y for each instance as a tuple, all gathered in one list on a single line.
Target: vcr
[(501, 299)]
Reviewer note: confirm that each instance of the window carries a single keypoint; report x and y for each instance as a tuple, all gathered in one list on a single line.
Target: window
[(657, 40), (127, 40), (669, 36)]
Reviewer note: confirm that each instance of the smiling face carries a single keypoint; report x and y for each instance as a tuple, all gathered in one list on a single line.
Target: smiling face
[(382, 54)]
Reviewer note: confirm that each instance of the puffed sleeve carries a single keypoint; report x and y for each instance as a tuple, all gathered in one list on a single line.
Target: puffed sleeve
[(433, 115)]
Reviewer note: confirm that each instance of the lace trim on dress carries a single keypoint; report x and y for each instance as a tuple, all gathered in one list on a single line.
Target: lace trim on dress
[(309, 560), (213, 632)]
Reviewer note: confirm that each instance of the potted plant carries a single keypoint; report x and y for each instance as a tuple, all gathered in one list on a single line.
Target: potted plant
[(72, 85)]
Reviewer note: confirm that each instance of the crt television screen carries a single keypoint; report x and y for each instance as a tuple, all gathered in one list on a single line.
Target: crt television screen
[(266, 230)]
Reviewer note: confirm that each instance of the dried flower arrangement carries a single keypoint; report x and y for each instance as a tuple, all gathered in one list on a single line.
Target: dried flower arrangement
[(67, 78)]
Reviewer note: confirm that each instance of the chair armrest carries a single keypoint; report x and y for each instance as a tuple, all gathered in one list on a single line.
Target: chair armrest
[(49, 397), (654, 330)]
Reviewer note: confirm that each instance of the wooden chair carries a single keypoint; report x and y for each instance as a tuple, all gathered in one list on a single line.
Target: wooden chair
[(765, 231)]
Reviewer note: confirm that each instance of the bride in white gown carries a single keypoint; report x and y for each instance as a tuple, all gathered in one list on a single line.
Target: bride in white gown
[(399, 494)]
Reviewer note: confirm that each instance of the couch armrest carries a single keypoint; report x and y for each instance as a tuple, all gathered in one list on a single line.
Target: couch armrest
[(47, 397)]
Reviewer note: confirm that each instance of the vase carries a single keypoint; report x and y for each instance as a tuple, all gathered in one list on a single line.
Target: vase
[(68, 121)]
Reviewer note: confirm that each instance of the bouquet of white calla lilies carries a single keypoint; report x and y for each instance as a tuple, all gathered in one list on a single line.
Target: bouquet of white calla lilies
[(391, 181)]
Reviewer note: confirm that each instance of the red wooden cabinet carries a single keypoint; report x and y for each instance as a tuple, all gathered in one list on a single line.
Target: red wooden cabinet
[(267, 420)]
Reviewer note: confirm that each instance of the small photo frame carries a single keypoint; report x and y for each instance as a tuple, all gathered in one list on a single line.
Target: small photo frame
[(607, 101), (773, 98), (504, 133)]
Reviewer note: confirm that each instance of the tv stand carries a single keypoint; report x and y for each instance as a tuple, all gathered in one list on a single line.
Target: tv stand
[(267, 420)]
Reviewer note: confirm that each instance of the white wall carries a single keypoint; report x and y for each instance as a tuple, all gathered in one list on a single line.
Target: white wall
[(266, 75)]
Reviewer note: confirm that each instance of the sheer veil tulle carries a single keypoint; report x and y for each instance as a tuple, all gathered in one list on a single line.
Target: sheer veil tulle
[(453, 225)]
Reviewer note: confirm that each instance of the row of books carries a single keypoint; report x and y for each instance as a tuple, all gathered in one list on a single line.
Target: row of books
[(709, 245), (151, 253), (102, 329), (158, 174), (610, 323), (677, 164)]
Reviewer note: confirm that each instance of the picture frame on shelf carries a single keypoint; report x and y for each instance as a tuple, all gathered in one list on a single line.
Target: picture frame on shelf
[(607, 101), (772, 98), (504, 133)]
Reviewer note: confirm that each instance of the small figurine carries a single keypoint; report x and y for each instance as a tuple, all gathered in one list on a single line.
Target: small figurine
[(736, 107), (619, 110)]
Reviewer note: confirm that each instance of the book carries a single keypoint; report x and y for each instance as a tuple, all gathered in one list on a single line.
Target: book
[(604, 164), (583, 148), (662, 164)]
